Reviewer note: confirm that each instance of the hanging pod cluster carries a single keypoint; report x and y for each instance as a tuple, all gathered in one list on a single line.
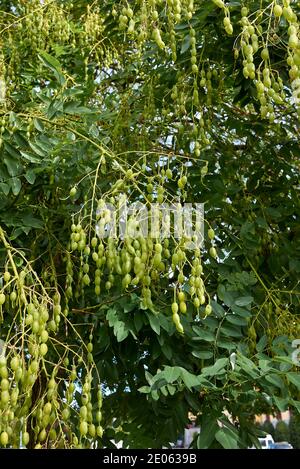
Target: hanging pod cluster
[(256, 33), (41, 26), (39, 401), (150, 256)]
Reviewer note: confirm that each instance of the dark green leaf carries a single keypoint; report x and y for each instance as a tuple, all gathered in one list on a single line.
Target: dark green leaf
[(294, 378), (154, 322), (171, 374), (208, 430), (15, 184), (244, 301), (227, 438)]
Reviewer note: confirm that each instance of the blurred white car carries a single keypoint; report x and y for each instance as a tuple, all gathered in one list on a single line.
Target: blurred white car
[(282, 445), (266, 443)]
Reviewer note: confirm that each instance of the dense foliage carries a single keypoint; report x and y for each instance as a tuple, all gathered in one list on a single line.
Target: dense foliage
[(294, 427), (282, 432), (153, 101)]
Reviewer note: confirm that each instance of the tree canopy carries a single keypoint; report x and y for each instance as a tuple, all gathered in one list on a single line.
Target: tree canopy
[(107, 339)]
